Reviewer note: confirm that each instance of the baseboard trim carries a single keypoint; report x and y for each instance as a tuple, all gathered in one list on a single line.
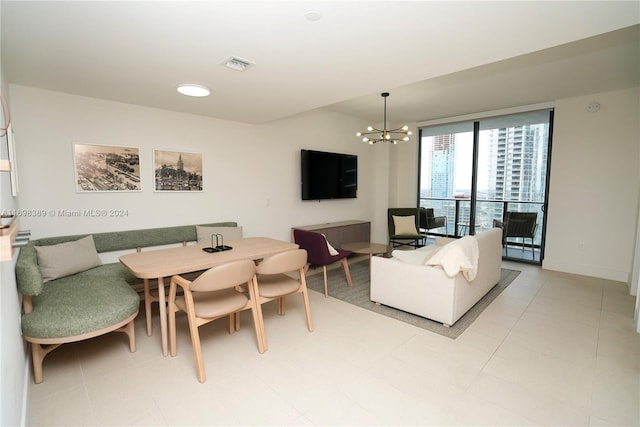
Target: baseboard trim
[(587, 270)]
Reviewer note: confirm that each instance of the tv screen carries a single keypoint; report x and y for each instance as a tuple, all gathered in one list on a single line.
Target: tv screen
[(328, 175)]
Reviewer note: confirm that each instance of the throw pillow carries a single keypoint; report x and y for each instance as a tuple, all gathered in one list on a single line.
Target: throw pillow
[(65, 259), (405, 225), (332, 250), (228, 233)]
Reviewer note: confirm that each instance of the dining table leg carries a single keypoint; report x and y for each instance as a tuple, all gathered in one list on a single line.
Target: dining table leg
[(163, 315)]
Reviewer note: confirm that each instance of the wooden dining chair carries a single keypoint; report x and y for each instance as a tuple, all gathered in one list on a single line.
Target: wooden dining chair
[(211, 296), (275, 284)]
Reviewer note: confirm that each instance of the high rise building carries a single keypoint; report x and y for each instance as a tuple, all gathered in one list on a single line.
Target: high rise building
[(518, 164), (442, 165)]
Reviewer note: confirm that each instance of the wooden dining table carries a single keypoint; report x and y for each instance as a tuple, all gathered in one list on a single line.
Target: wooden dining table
[(164, 263)]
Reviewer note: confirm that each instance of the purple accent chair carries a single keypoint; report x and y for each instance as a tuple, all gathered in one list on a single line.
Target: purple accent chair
[(318, 253)]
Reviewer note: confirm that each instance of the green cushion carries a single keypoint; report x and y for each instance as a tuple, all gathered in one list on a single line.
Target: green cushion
[(80, 304), (112, 270), (28, 274), (142, 238), (228, 233)]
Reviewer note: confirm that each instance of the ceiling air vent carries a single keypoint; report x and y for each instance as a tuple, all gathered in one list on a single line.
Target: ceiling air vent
[(237, 64)]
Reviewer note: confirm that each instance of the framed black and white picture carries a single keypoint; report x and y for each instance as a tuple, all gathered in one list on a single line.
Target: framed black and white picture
[(11, 146), (177, 171), (106, 168)]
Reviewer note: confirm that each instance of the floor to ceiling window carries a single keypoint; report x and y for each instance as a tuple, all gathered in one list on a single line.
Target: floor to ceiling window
[(489, 172)]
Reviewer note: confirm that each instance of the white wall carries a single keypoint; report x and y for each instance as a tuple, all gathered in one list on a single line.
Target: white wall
[(14, 368), (251, 173), (595, 174)]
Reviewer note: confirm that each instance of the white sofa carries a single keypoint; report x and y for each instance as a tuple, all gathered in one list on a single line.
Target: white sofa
[(428, 291)]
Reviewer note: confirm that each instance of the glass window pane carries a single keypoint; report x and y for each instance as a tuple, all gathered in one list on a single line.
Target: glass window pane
[(445, 172)]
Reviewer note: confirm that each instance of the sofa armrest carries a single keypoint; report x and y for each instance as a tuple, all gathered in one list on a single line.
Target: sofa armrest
[(418, 289), (28, 276)]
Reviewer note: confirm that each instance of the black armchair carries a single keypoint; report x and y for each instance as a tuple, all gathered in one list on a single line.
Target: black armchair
[(403, 225), (518, 224), (429, 221)]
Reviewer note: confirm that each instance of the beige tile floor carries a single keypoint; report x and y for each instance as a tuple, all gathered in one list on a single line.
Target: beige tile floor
[(552, 349)]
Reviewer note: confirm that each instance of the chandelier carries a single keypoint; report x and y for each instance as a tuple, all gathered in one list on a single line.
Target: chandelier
[(373, 135)]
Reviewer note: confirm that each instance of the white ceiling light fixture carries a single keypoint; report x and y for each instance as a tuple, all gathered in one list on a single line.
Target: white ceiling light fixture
[(238, 64), (190, 89), (384, 134)]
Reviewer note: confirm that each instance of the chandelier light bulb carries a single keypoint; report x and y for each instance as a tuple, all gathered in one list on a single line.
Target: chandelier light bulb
[(365, 139), (369, 128), (359, 134), (405, 128)]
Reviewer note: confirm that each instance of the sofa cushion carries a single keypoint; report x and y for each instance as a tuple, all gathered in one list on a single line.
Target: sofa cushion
[(405, 225), (417, 257), (228, 233), (67, 258), (111, 241), (111, 270)]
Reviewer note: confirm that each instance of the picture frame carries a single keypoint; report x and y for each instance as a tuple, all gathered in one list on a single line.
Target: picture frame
[(177, 171), (106, 168), (11, 147)]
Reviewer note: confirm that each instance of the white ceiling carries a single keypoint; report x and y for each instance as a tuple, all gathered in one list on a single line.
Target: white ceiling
[(437, 59)]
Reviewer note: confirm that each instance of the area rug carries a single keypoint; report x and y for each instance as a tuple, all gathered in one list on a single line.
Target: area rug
[(358, 295)]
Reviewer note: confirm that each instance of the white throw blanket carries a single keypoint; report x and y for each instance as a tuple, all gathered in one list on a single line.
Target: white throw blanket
[(456, 257)]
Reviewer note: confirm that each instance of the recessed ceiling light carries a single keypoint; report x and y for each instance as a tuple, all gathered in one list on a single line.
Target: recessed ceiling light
[(193, 90), (313, 15)]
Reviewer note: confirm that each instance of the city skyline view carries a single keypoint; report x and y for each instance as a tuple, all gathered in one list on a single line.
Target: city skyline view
[(511, 171)]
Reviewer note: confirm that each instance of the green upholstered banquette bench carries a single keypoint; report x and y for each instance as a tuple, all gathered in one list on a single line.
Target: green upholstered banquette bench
[(63, 303)]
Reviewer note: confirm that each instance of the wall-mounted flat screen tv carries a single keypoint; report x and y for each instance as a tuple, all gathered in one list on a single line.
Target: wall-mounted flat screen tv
[(328, 175)]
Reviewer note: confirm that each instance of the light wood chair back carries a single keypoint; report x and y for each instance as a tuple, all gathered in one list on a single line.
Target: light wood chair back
[(213, 295), (224, 276), (273, 282)]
